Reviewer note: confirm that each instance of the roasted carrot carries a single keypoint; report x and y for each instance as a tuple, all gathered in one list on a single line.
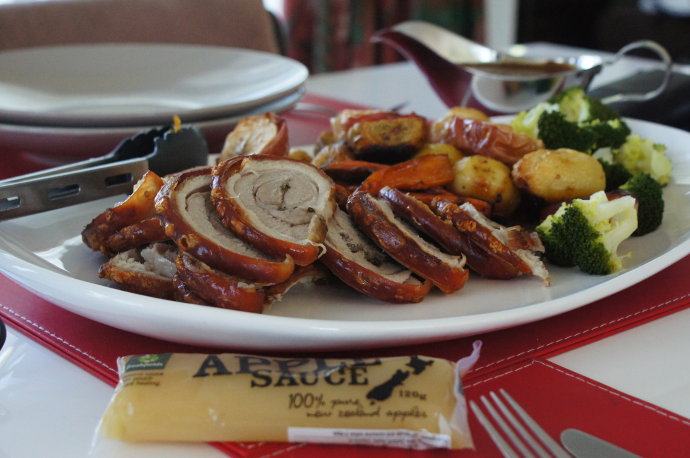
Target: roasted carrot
[(414, 175)]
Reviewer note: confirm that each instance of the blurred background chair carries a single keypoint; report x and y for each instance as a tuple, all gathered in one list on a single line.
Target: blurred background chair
[(236, 23)]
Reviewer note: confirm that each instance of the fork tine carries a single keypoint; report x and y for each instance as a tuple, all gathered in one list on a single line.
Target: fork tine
[(520, 429), (502, 445), (556, 449), (505, 428)]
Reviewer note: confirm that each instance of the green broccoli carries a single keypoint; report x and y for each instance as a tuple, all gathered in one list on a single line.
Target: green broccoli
[(579, 107), (641, 155), (615, 173), (587, 233), (557, 132), (650, 202), (525, 122), (612, 133)]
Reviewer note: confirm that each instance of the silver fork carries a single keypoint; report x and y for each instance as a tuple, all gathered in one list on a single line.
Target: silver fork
[(527, 436)]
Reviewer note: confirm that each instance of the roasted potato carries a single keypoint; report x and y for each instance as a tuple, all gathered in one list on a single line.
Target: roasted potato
[(441, 148), (559, 175), (487, 179)]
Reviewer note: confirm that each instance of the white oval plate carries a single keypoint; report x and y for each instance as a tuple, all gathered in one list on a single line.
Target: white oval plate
[(138, 84), (58, 145), (44, 252)]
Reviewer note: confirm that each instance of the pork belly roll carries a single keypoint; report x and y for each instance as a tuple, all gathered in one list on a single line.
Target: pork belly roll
[(217, 288), (361, 265), (145, 232), (183, 294), (375, 218), (261, 134), (184, 205), (492, 250), (138, 206), (279, 206), (480, 257), (148, 271)]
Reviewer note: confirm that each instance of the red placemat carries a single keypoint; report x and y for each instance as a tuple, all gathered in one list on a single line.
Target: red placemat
[(95, 347)]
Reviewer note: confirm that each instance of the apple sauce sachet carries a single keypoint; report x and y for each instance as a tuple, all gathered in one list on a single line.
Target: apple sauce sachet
[(412, 402)]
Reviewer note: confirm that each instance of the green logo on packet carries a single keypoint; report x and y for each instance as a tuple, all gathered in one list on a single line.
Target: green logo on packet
[(146, 362)]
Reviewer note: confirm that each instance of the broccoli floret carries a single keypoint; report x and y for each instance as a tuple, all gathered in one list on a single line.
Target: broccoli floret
[(615, 173), (612, 133), (598, 110), (587, 233), (557, 132), (526, 121), (641, 155), (650, 202), (579, 107)]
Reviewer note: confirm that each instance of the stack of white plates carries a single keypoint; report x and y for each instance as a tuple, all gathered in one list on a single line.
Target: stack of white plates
[(68, 102)]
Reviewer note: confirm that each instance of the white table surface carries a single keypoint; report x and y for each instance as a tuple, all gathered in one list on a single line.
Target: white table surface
[(50, 407)]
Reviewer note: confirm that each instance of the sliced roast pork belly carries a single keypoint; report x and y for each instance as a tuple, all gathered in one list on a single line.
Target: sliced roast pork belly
[(145, 232), (184, 205), (184, 294), (138, 206), (147, 271), (261, 134), (361, 265), (279, 206), (217, 288), (375, 218), (479, 255), (493, 250)]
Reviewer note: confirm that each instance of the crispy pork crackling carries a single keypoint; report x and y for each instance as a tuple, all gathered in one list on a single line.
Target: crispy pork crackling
[(376, 219), (217, 288), (184, 205), (361, 265), (148, 271), (279, 206)]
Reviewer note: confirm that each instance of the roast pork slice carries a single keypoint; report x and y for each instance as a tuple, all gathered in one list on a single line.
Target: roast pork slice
[(480, 257), (184, 205), (145, 232), (261, 134), (376, 219), (137, 207), (147, 271), (217, 288), (361, 265), (493, 250), (184, 294), (279, 206)]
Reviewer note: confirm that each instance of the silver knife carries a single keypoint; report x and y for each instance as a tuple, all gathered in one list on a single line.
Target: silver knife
[(584, 445)]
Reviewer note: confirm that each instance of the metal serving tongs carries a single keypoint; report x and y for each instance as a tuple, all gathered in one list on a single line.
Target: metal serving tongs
[(164, 150)]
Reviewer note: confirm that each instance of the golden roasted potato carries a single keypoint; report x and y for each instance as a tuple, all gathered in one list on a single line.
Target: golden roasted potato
[(558, 175), (440, 148), (487, 179)]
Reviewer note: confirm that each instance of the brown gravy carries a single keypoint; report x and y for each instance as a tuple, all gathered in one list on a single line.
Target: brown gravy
[(523, 68)]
